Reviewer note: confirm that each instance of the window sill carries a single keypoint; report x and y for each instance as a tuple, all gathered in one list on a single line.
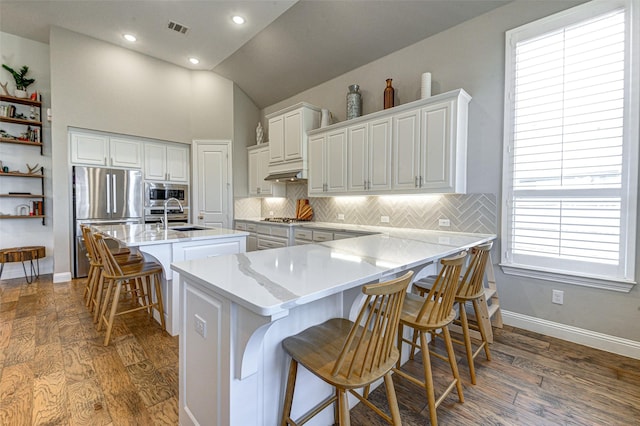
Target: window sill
[(585, 281)]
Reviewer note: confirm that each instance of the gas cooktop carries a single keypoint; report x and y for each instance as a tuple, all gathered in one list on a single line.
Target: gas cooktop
[(283, 220)]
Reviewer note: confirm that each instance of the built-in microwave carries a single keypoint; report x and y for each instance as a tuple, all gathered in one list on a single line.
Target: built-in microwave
[(156, 193)]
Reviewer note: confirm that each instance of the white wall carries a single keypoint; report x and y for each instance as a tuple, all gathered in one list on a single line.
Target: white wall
[(100, 86), (471, 56), (16, 52), (246, 117)]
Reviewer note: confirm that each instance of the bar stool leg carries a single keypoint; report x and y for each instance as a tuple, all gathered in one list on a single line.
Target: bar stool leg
[(343, 408), (288, 397), (453, 363), (393, 400), (159, 304), (483, 332), (112, 314), (467, 341), (428, 379)]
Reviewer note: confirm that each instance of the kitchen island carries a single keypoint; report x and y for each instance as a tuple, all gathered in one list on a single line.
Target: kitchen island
[(169, 245), (237, 309)]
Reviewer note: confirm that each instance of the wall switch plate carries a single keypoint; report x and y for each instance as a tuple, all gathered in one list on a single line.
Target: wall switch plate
[(340, 216), (444, 222), (200, 325), (557, 297), (384, 219)]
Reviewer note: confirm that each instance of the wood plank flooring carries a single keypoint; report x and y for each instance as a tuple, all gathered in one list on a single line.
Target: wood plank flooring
[(54, 370)]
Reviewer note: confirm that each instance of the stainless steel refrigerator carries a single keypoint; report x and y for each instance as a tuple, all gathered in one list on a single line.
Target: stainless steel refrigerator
[(103, 196)]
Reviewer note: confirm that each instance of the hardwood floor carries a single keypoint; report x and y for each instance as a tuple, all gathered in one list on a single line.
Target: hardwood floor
[(54, 370)]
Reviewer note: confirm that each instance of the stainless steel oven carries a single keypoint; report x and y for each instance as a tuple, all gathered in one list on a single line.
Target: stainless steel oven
[(156, 193)]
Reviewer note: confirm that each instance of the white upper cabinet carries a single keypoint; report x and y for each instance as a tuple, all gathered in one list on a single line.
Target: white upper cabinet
[(276, 139), (258, 159), (369, 156), (288, 137), (419, 147), (166, 162), (94, 149), (125, 153), (327, 158)]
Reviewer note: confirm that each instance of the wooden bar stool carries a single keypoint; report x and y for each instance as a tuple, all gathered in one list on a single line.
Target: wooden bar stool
[(470, 289), (122, 254), (350, 355), (426, 315), (140, 275), (95, 287)]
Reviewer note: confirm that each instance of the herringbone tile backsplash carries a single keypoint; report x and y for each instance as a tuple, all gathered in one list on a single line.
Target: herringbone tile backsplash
[(467, 212)]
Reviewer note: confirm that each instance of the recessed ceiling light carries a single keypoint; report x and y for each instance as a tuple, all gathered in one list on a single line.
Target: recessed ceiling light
[(129, 37), (238, 19), (194, 61)]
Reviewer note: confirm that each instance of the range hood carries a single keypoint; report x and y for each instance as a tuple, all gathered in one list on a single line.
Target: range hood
[(292, 176)]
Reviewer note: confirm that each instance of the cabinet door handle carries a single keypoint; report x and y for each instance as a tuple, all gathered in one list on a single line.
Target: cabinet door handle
[(420, 181), (416, 182)]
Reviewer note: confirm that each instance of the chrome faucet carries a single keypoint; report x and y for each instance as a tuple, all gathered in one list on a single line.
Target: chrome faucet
[(166, 203)]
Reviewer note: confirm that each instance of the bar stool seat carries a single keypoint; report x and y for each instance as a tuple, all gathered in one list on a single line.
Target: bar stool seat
[(350, 355)]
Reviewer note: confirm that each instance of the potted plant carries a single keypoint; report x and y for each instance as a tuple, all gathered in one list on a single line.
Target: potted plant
[(22, 82)]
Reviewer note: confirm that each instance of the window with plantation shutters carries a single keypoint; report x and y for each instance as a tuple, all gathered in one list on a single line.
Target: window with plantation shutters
[(571, 147)]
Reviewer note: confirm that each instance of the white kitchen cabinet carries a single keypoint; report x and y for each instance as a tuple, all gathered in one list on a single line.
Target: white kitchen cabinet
[(96, 149), (288, 137), (258, 160), (166, 162), (419, 147), (273, 236), (328, 154), (369, 156), (430, 147), (252, 238)]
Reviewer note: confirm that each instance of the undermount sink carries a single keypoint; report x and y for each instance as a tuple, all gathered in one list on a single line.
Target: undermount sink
[(189, 228)]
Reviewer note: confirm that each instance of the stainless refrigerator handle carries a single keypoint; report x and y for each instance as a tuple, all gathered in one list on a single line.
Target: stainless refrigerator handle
[(108, 194), (113, 176)]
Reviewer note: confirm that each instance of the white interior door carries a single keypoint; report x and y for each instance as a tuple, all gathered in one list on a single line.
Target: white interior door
[(212, 185)]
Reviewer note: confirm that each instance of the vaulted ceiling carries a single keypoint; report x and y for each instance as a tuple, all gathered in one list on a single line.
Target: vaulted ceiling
[(285, 47)]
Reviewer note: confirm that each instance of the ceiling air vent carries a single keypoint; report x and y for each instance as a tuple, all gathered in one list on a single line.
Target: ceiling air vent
[(177, 27)]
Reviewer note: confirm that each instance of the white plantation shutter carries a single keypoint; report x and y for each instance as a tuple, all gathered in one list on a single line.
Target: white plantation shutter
[(569, 184)]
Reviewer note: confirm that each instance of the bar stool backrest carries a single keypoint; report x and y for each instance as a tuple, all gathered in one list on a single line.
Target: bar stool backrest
[(371, 341), (89, 242), (439, 301), (472, 283), (111, 267)]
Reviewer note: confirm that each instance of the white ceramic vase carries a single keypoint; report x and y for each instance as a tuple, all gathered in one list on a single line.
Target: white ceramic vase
[(20, 93)]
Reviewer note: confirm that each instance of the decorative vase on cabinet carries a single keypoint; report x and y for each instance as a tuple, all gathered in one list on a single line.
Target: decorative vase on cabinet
[(354, 102), (389, 94)]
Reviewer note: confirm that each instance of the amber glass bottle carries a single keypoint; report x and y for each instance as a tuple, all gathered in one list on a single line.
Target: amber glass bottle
[(389, 93)]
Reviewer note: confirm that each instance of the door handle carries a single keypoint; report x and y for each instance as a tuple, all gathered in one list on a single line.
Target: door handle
[(200, 217), (114, 191), (108, 193)]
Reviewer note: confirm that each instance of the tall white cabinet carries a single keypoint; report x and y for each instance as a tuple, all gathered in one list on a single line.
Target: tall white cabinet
[(419, 147)]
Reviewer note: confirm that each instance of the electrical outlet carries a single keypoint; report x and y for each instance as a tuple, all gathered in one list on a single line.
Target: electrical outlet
[(340, 216), (271, 213), (384, 219), (444, 222), (200, 325), (557, 297)]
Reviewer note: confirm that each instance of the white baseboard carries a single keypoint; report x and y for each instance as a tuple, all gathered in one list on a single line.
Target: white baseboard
[(581, 336), (61, 277)]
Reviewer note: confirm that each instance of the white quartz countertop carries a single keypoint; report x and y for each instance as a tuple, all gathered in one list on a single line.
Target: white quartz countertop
[(150, 234), (270, 282)]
